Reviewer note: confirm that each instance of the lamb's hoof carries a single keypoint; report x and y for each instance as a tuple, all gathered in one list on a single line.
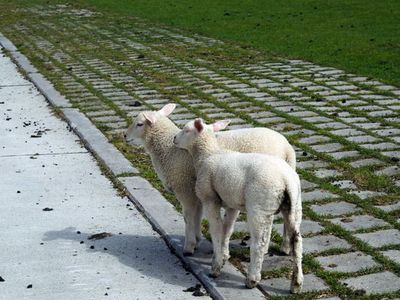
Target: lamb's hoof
[(295, 288), (226, 257), (296, 285), (215, 270), (188, 249), (285, 249), (214, 274), (250, 284)]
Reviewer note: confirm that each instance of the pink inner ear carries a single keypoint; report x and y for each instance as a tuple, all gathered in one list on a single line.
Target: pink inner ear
[(151, 117), (167, 109), (219, 125), (198, 125)]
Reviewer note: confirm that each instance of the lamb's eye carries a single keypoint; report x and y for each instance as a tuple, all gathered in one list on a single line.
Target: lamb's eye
[(139, 124)]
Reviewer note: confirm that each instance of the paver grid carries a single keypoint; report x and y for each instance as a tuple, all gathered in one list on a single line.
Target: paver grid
[(345, 128)]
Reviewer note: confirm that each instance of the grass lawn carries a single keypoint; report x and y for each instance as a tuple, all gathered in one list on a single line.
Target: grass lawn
[(360, 36)]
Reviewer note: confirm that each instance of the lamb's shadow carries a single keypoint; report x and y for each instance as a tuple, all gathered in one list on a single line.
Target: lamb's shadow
[(146, 254)]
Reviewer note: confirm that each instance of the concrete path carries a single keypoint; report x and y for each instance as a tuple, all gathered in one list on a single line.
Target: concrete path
[(54, 198)]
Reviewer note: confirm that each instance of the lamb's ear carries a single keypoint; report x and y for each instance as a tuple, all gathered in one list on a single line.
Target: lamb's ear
[(198, 124), (151, 118), (219, 125), (167, 109)]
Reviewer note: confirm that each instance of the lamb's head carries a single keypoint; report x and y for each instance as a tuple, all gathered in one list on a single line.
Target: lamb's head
[(143, 123), (193, 130)]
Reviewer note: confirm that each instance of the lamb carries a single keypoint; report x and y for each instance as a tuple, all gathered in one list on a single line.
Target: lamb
[(175, 169), (260, 184)]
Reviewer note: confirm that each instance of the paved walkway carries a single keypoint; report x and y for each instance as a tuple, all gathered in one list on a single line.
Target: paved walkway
[(345, 129), (54, 198)]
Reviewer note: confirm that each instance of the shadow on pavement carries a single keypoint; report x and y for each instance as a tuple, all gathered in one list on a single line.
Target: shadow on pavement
[(146, 254)]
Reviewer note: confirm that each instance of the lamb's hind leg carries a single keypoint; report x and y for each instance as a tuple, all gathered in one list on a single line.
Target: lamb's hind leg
[(285, 247), (260, 226), (229, 224)]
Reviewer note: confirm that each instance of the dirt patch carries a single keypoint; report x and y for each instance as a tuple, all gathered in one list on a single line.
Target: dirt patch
[(99, 236)]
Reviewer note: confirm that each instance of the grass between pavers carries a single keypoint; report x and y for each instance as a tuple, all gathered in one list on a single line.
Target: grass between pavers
[(309, 263)]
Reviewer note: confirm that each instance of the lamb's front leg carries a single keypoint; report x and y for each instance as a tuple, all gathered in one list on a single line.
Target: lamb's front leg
[(190, 207), (229, 222), (213, 214), (197, 220)]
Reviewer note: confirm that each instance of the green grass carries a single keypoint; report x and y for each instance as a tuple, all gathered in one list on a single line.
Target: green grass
[(359, 36)]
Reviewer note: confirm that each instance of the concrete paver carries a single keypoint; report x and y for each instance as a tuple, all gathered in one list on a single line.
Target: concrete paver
[(380, 238), (348, 262), (376, 283)]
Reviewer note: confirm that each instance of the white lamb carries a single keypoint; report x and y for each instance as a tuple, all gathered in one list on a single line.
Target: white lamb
[(259, 184), (174, 166)]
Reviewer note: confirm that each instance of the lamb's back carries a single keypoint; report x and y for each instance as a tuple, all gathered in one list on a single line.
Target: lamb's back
[(232, 174), (256, 140)]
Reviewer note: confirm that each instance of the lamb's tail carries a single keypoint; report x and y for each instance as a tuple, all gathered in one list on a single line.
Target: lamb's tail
[(294, 193), (291, 157), (293, 221)]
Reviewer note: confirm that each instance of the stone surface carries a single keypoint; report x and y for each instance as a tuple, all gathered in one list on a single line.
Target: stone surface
[(381, 146), (306, 185), (366, 162), (27, 124), (367, 194), (389, 207), (276, 262), (47, 89), (314, 139), (377, 283), (98, 143), (311, 164), (306, 227), (344, 154), (334, 208), (317, 195), (322, 243), (332, 147), (393, 255), (389, 171), (346, 263), (281, 286), (325, 173), (380, 238), (7, 44), (354, 223), (345, 184)]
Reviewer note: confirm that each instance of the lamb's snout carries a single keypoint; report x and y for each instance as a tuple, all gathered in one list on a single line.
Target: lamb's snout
[(175, 139)]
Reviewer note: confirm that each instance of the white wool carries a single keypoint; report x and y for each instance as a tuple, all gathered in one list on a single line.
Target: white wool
[(259, 184), (175, 168)]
